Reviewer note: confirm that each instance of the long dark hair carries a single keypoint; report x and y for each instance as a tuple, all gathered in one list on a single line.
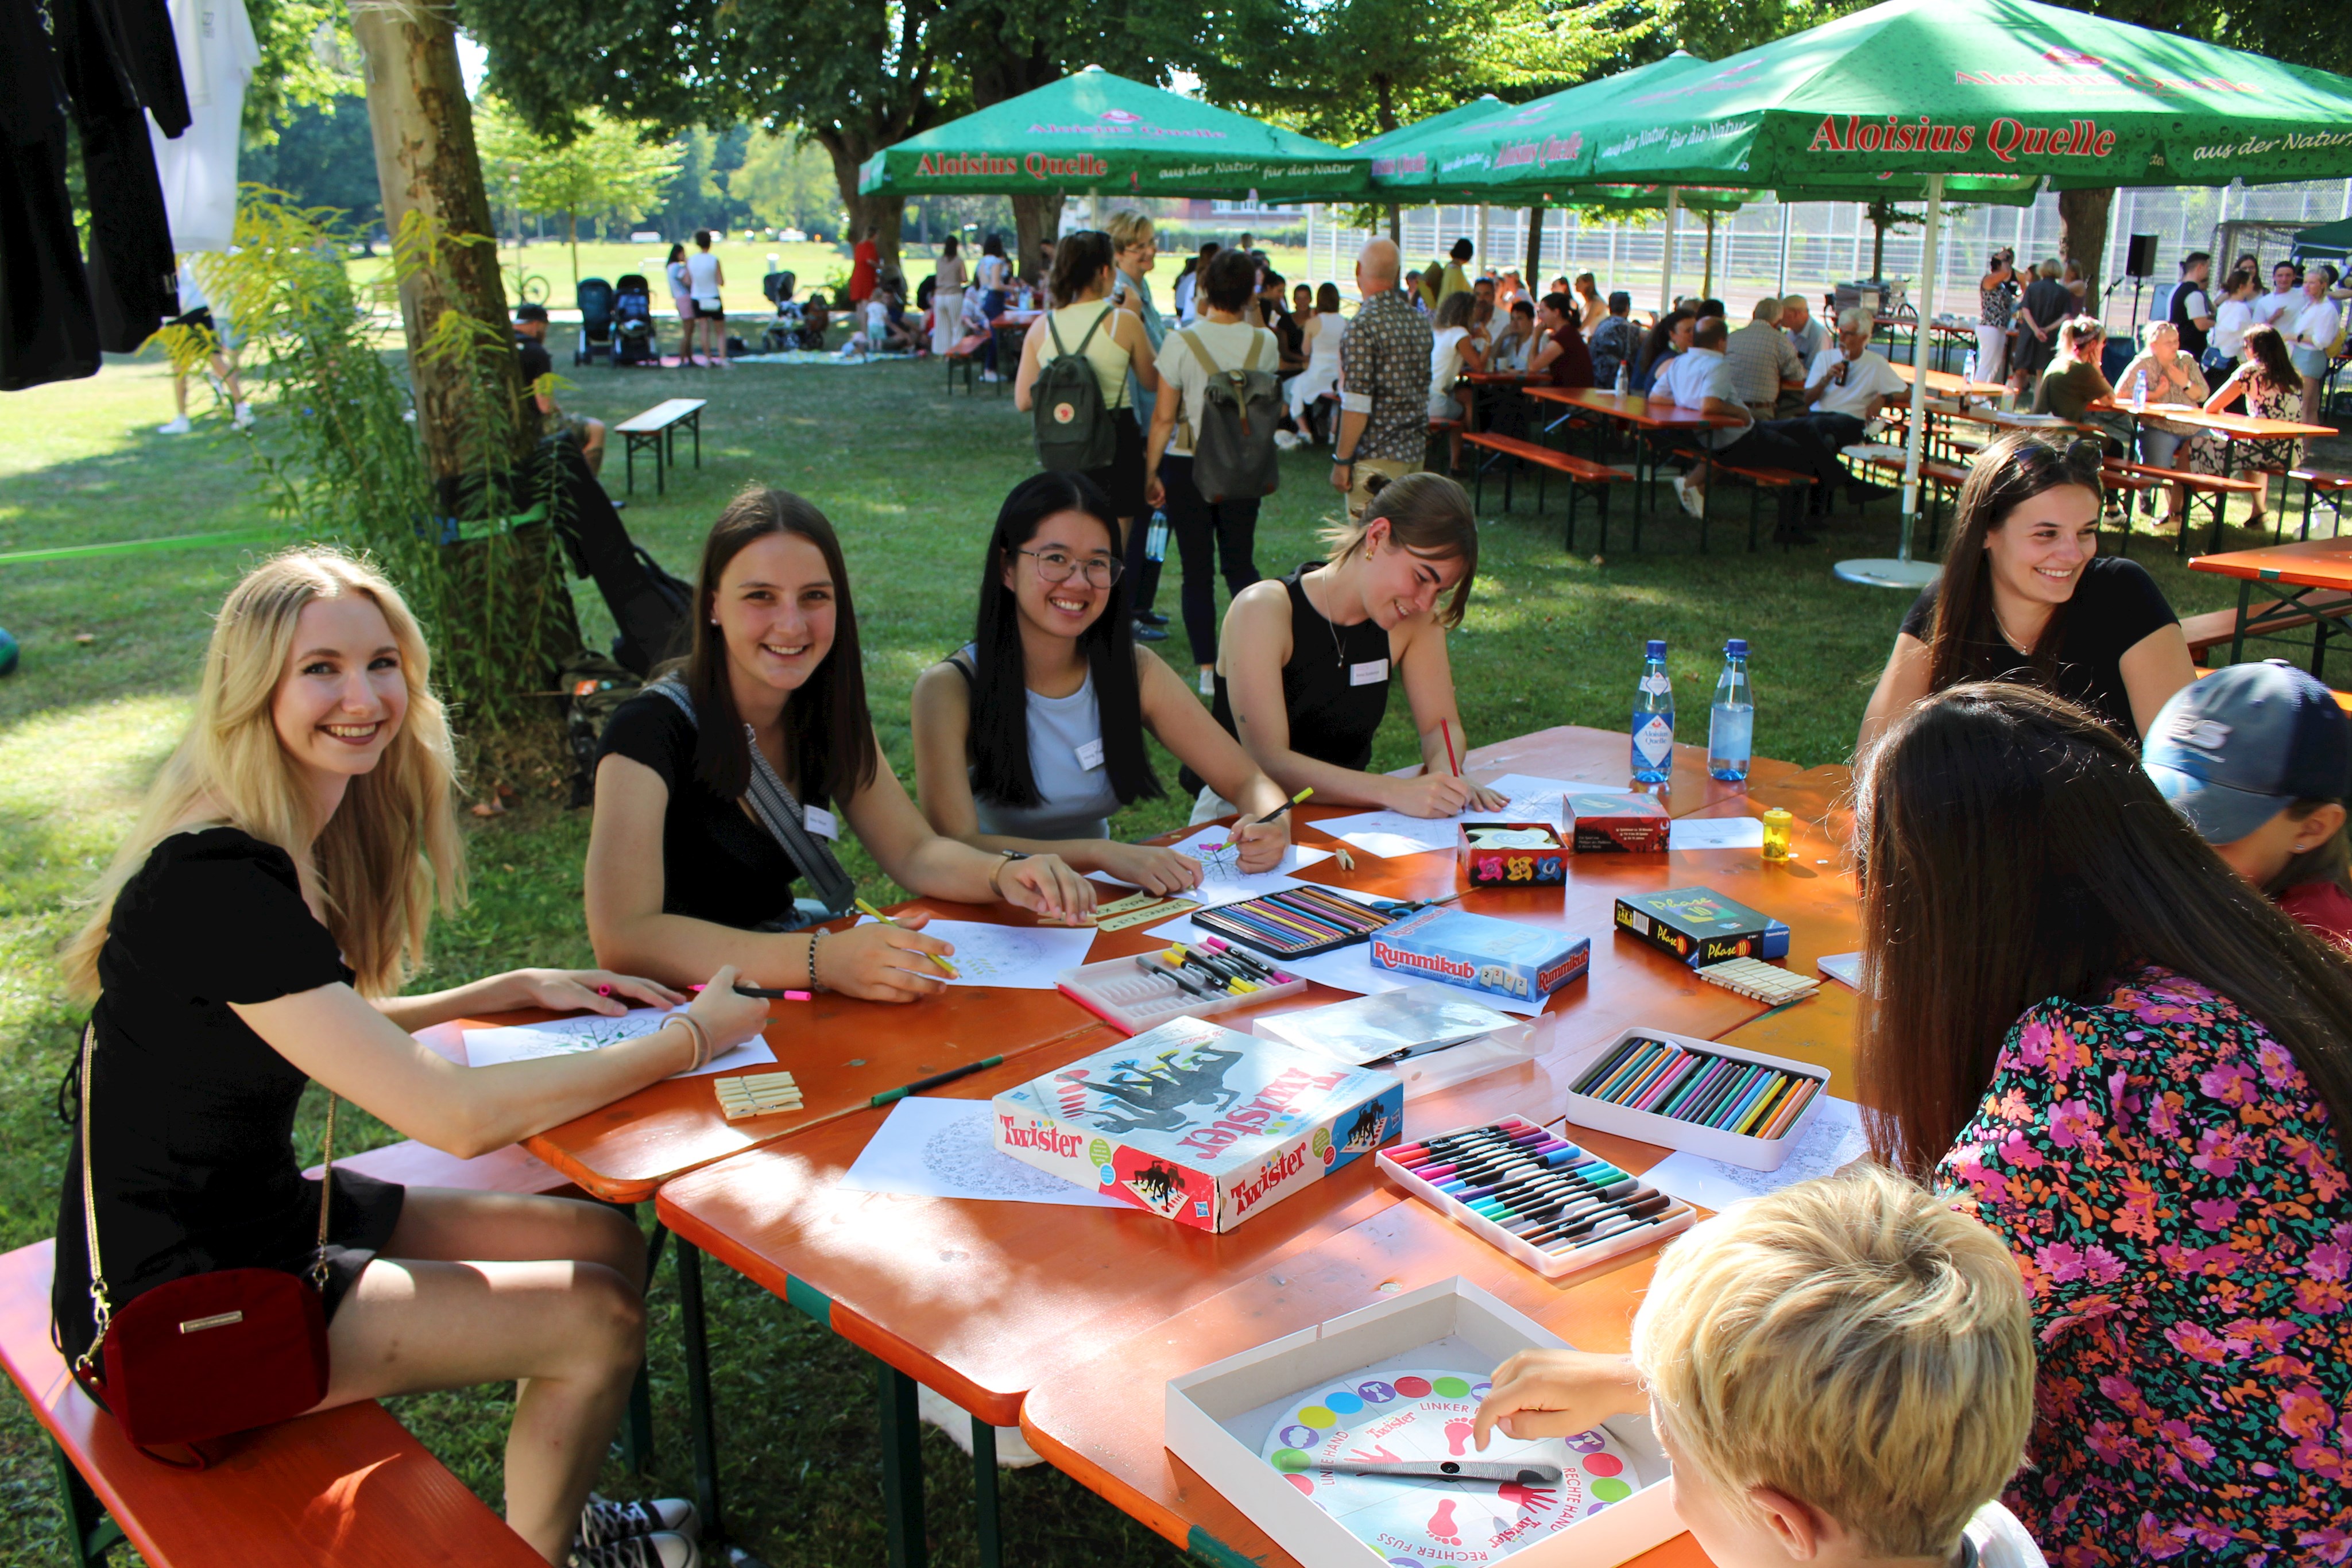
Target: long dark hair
[(1661, 336), (1082, 257), (1000, 685), (2012, 851), (828, 732), (1967, 644), (2266, 351)]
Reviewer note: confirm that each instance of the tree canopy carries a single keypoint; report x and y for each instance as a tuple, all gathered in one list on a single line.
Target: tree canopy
[(605, 169)]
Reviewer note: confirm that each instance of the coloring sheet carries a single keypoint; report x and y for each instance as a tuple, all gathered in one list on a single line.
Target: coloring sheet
[(1351, 968), (1716, 834), (939, 1148), (1222, 881), (1531, 800), (593, 1031), (1832, 1140), (1020, 957)]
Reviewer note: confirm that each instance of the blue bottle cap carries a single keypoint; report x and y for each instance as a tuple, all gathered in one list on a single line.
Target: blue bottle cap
[(1657, 648), (1737, 646)]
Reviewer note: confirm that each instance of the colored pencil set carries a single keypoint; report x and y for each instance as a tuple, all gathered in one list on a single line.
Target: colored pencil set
[(1527, 1188), (1295, 922), (1665, 1078)]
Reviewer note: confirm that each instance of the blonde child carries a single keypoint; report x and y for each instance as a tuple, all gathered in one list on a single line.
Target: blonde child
[(1841, 1373)]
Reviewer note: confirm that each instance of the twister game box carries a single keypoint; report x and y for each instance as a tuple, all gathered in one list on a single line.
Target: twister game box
[(1197, 1123)]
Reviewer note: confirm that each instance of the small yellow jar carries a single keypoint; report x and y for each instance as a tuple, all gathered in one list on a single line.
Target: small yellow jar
[(1778, 824)]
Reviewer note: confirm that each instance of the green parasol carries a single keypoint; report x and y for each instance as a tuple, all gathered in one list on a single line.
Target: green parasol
[(1098, 132), (1949, 92), (2324, 239)]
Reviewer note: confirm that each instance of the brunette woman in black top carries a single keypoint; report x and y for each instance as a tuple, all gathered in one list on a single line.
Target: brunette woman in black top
[(252, 934), (681, 872), (1304, 665)]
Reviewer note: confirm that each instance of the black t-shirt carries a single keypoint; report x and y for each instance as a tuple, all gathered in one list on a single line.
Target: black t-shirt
[(717, 862), (192, 1114), (533, 357), (2115, 606)]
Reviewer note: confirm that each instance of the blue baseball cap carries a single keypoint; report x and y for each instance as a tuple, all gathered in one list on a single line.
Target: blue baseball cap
[(2234, 749)]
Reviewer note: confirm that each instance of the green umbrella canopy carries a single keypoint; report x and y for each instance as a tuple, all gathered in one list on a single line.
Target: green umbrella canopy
[(1096, 132), (1488, 151), (2010, 88), (2324, 239)]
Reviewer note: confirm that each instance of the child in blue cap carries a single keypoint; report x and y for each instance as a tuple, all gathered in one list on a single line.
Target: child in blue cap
[(2259, 758)]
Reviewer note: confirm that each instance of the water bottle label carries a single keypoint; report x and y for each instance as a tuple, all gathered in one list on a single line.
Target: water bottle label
[(1654, 741), (1657, 684)]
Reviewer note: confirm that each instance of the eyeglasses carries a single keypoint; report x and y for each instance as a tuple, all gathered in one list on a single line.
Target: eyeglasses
[(1053, 566)]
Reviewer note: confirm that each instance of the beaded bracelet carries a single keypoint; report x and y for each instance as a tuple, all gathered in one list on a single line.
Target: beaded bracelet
[(815, 937)]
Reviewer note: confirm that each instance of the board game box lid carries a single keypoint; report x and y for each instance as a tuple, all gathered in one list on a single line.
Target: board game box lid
[(1701, 911)]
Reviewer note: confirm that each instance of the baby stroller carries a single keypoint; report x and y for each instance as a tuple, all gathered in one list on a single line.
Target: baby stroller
[(783, 329), (633, 323), (596, 299)]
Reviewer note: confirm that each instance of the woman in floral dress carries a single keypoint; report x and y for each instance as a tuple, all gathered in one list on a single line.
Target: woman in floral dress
[(2137, 1073), (2273, 388)]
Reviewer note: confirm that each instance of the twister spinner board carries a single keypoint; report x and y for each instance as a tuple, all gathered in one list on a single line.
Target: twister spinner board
[(1404, 1413)]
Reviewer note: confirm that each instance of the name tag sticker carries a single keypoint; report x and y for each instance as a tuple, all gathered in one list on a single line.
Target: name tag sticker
[(1090, 755), (820, 822), (1371, 674)]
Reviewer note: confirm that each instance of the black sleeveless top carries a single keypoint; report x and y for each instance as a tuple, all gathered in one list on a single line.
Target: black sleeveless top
[(1332, 716)]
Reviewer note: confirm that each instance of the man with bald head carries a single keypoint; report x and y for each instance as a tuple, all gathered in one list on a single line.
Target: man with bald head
[(1384, 367)]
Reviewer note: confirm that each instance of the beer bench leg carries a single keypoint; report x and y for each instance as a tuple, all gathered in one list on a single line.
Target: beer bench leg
[(91, 1531), (698, 1390), (983, 1494), (902, 1466)]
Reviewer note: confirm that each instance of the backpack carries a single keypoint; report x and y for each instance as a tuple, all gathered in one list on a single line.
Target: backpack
[(652, 610), (1233, 442), (1073, 429), (593, 686)]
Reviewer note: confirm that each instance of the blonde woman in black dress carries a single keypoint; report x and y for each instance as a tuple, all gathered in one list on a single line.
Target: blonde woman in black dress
[(253, 935)]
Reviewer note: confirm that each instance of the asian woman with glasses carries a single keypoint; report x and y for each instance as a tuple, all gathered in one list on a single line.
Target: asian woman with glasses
[(1031, 736), (2025, 596)]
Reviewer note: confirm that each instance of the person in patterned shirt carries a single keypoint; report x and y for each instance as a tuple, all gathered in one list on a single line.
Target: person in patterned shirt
[(2137, 1072), (1384, 366)]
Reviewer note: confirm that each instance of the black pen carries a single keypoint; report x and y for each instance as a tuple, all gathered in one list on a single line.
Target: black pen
[(1146, 964)]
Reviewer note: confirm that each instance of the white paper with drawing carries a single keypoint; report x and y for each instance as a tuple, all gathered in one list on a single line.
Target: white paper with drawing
[(1527, 799), (1222, 881), (1348, 969), (593, 1031), (1834, 1140), (1022, 957), (939, 1148)]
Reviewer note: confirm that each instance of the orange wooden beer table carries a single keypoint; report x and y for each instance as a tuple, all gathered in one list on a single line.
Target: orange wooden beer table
[(978, 1300)]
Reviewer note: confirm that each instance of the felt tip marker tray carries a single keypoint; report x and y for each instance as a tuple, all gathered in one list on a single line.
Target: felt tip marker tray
[(1128, 998), (1716, 1143), (1676, 1217)]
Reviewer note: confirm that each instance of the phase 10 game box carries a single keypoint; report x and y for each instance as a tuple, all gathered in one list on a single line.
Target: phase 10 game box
[(1700, 926), (1197, 1123)]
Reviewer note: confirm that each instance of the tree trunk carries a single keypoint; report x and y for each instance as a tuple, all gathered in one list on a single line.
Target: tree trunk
[(424, 159), (1534, 274), (1037, 218), (2083, 239), (1877, 247)]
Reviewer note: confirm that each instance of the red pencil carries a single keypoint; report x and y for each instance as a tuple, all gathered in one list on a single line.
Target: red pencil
[(1443, 729)]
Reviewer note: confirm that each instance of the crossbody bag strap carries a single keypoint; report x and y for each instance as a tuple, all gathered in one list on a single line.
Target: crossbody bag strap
[(101, 1310), (780, 813)]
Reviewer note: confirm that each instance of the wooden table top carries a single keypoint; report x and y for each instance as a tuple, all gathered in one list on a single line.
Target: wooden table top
[(1954, 385), (2234, 426), (1634, 408), (843, 1050), (2307, 564), (978, 1299)]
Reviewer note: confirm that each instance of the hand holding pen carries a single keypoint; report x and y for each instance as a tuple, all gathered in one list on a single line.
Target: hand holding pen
[(1262, 839)]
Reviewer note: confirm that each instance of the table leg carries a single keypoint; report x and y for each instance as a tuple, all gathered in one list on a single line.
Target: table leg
[(2237, 632), (983, 1494), (695, 420), (631, 441), (90, 1530), (902, 1466), (698, 1390)]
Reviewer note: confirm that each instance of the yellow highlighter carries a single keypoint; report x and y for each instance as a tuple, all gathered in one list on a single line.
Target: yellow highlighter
[(865, 908)]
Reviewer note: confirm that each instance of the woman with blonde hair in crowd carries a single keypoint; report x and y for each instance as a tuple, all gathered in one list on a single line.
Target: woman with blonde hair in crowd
[(254, 934)]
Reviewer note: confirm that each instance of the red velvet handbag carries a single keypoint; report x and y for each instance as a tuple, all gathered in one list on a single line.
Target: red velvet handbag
[(211, 1353)]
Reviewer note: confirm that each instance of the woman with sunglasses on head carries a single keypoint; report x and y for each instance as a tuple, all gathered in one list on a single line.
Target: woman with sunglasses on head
[(718, 785), (1031, 736), (253, 935), (1304, 668), (2137, 1072), (2025, 596)]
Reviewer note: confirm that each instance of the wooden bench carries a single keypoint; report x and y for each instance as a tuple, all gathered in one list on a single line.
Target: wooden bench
[(1759, 480), (1941, 477), (1582, 474), (2318, 482), (657, 429), (2210, 488), (963, 357), (2215, 628), (342, 1488)]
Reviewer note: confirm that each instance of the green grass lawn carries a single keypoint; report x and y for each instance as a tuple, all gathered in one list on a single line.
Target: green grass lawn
[(912, 478)]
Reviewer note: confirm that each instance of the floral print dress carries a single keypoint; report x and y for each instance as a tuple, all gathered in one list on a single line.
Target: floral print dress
[(2262, 400), (2171, 1188)]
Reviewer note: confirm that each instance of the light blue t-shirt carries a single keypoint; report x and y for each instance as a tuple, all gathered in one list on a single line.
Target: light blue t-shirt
[(1065, 758)]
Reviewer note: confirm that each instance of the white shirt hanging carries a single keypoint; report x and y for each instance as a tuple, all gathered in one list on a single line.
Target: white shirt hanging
[(198, 167)]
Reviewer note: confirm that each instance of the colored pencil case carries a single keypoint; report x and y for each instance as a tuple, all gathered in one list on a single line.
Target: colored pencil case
[(1133, 999), (1652, 1125), (1678, 1216), (1295, 922)]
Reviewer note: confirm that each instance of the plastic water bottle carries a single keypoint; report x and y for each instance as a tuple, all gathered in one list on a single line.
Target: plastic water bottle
[(1624, 379), (2140, 389), (1653, 719), (1731, 727), (1155, 542)]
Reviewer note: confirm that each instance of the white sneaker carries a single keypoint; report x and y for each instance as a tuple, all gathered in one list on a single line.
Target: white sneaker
[(1287, 440), (179, 426), (662, 1549), (243, 420), (1208, 682), (1694, 500), (989, 376), (603, 1520)]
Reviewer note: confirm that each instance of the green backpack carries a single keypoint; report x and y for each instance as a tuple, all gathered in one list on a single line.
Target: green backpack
[(1073, 429)]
